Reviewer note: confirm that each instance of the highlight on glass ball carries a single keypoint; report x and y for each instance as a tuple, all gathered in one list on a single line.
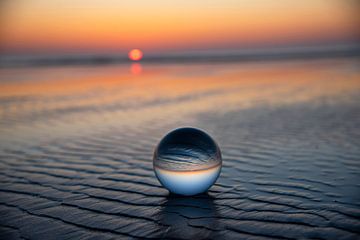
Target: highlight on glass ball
[(187, 161)]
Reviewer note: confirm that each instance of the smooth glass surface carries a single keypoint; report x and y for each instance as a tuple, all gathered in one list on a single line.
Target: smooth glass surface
[(187, 161)]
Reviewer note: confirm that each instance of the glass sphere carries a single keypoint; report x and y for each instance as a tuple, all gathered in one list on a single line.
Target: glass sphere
[(187, 161)]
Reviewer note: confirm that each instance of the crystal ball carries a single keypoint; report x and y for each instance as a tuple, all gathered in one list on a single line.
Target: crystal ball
[(187, 161)]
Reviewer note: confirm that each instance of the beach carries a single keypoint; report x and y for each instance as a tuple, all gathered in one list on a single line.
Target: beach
[(76, 148)]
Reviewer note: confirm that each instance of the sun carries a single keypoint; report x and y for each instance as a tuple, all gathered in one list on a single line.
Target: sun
[(135, 54)]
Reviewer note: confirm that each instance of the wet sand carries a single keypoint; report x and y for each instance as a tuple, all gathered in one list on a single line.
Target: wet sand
[(76, 146)]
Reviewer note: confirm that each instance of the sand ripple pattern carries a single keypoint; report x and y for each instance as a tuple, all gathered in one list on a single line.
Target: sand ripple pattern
[(289, 172)]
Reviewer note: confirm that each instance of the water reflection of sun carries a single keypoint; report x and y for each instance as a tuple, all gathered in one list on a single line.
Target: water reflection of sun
[(136, 68)]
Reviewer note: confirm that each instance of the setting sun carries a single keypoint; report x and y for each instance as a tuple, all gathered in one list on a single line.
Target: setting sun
[(135, 54)]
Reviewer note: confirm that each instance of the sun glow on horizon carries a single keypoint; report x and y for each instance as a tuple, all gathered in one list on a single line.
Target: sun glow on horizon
[(154, 26), (135, 55)]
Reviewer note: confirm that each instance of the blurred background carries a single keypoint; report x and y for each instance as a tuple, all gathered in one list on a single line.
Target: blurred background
[(110, 29)]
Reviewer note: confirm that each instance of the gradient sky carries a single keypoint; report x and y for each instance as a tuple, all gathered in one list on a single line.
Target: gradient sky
[(90, 26)]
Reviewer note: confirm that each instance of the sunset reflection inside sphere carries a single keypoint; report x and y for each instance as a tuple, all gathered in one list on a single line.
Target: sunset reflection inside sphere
[(187, 161)]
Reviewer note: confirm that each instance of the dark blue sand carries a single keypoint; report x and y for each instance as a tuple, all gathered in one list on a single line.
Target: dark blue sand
[(290, 171)]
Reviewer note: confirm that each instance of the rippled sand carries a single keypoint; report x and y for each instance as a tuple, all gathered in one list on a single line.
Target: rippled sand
[(76, 147)]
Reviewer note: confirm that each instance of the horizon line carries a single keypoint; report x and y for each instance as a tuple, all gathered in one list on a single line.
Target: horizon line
[(221, 56)]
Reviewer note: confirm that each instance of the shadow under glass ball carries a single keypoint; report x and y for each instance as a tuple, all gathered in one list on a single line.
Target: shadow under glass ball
[(187, 161)]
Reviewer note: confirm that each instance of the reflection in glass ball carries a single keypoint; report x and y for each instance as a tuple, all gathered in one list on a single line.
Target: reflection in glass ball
[(187, 161)]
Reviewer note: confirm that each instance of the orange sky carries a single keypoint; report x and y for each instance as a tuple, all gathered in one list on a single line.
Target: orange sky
[(160, 25)]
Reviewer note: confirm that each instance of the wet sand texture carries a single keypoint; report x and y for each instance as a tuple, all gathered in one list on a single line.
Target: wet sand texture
[(76, 147)]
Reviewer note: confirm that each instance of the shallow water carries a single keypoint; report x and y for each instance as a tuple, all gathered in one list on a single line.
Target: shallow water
[(76, 147)]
